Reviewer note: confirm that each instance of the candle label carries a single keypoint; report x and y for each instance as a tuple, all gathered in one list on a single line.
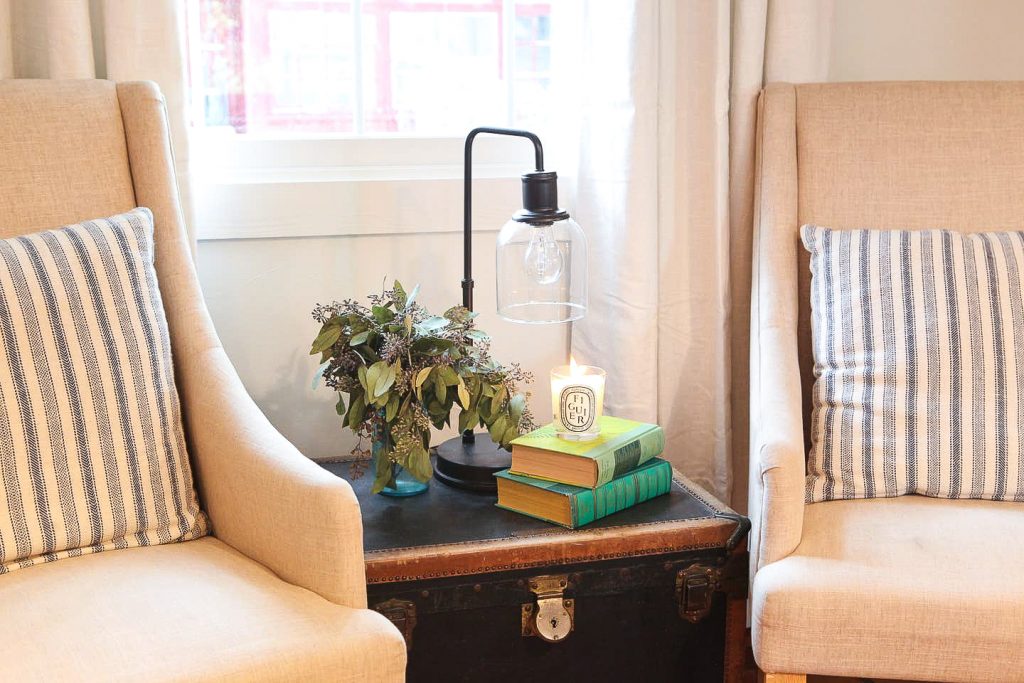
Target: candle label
[(577, 408)]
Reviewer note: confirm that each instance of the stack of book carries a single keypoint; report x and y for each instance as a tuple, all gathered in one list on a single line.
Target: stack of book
[(573, 483)]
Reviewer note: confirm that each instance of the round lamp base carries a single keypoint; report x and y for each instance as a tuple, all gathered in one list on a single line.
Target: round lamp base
[(471, 465)]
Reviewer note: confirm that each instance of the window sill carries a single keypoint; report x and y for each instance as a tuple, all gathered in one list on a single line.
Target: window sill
[(264, 188)]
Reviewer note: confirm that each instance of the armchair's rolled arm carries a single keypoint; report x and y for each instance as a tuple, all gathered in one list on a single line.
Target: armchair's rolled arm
[(263, 497), (777, 450), (776, 503)]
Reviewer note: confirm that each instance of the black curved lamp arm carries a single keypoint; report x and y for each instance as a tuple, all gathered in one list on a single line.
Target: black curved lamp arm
[(467, 202)]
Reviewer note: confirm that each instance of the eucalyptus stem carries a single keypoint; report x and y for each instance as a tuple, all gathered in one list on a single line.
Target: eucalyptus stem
[(404, 370)]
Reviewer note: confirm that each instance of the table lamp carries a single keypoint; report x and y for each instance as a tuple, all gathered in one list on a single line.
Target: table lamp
[(541, 270)]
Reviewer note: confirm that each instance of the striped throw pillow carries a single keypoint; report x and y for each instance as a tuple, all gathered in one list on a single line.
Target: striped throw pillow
[(92, 453), (919, 364)]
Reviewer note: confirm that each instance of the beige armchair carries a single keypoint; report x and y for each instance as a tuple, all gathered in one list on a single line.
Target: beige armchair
[(277, 592), (905, 588)]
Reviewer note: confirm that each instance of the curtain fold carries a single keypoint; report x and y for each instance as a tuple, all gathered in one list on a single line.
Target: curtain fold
[(664, 188), (123, 40)]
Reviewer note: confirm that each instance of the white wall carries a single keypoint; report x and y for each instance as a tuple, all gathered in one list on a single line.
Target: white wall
[(261, 291), (877, 40)]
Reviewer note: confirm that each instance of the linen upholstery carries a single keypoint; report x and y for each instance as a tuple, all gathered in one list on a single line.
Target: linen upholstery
[(908, 588), (919, 352), (62, 155), (197, 611), (92, 453), (262, 497), (913, 155)]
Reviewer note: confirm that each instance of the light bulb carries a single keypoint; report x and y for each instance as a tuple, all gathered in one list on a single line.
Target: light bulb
[(543, 259)]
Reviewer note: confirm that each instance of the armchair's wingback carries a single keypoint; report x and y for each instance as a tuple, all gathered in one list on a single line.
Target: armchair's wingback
[(855, 155), (75, 150)]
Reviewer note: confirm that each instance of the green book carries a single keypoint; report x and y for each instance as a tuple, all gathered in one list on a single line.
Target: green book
[(575, 506), (619, 448)]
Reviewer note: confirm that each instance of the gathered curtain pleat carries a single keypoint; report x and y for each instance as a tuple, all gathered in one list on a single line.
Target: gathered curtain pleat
[(664, 188)]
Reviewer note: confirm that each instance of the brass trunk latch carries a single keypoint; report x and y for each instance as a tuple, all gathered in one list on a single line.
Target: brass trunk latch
[(401, 613), (551, 619), (695, 587)]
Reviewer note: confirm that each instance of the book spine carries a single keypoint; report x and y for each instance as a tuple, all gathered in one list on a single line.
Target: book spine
[(624, 492), (630, 455)]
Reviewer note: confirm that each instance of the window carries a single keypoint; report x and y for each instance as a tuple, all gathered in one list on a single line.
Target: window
[(367, 67), (347, 117)]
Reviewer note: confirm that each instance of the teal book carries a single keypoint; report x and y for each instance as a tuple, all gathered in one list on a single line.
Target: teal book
[(575, 506), (621, 446)]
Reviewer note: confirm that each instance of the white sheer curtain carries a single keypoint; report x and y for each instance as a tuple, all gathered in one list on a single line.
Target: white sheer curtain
[(123, 40), (664, 188)]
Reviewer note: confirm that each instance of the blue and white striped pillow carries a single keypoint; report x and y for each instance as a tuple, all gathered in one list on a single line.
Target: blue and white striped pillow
[(92, 452), (919, 359)]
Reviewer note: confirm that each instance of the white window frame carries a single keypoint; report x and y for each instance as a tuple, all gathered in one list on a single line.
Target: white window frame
[(256, 186)]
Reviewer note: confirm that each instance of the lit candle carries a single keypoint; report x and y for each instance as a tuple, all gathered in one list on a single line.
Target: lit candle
[(577, 400)]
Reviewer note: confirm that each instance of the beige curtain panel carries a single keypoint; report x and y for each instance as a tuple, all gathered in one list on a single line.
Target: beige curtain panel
[(670, 291), (123, 40)]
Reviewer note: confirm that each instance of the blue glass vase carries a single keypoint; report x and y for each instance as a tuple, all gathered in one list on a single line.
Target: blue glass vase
[(402, 484)]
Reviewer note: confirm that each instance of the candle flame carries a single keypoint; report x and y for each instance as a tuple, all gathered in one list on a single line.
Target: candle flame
[(574, 369)]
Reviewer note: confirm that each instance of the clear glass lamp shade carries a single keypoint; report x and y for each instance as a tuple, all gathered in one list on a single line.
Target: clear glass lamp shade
[(542, 272)]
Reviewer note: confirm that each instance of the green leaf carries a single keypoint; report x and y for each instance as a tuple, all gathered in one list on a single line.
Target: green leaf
[(392, 408), (484, 408), (516, 406), (361, 374), (498, 427), (383, 315), (375, 374), (419, 463), (412, 296), (400, 296), (440, 388), (432, 346), (386, 379), (408, 325), (448, 374), (320, 373), (421, 376), (360, 338), (511, 433), (478, 335), (468, 419), (405, 403), (329, 334), (464, 397), (340, 406), (433, 324), (356, 410), (382, 473), (457, 314)]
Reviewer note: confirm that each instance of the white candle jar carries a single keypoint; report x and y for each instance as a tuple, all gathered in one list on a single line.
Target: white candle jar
[(577, 401)]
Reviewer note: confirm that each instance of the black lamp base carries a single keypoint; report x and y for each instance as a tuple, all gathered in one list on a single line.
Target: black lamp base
[(471, 465)]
